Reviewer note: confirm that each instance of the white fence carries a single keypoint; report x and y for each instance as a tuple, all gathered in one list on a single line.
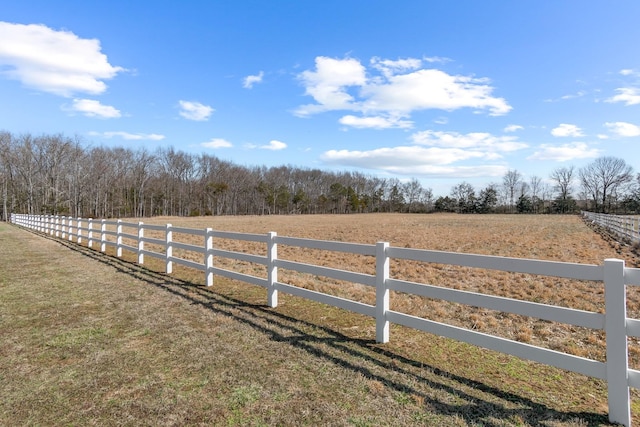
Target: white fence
[(613, 273), (626, 226)]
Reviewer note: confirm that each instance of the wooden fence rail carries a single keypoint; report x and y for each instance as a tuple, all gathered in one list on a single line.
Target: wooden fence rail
[(613, 274)]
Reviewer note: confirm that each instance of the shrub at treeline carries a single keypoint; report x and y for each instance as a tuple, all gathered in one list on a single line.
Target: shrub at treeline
[(55, 174)]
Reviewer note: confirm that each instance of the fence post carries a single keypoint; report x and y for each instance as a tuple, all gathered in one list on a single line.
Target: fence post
[(79, 229), (119, 238), (90, 233), (103, 236), (140, 243), (70, 229), (168, 250), (382, 292), (616, 336), (272, 269), (57, 225), (208, 257)]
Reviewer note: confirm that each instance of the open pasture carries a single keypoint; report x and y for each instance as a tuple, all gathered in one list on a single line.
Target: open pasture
[(557, 238), (99, 338)]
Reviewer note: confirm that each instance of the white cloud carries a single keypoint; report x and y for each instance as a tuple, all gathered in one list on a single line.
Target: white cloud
[(623, 129), (627, 95), (431, 89), (513, 128), (93, 108), (439, 59), (390, 67), (217, 143), (342, 84), (129, 136), (565, 152), (565, 129), (414, 160), (328, 84), (274, 145), (375, 122), (57, 62), (578, 94), (435, 154), (471, 141), (195, 111), (629, 72), (249, 81)]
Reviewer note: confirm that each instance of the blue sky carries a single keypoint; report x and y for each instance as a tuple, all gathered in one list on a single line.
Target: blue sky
[(441, 91)]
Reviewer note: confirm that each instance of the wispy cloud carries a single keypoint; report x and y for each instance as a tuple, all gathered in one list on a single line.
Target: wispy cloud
[(630, 72), (565, 129), (565, 152), (129, 136), (435, 154), (249, 81), (217, 143), (93, 108), (378, 122), (478, 141), (513, 128), (626, 95), (623, 129), (52, 61), (415, 160), (274, 145), (196, 111)]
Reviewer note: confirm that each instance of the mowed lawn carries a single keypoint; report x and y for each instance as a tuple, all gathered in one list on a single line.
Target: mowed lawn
[(89, 339)]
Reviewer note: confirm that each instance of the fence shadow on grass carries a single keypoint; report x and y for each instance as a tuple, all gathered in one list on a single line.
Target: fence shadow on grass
[(433, 387)]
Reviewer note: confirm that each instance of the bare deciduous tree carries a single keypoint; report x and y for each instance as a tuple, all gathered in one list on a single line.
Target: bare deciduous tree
[(602, 178), (511, 181)]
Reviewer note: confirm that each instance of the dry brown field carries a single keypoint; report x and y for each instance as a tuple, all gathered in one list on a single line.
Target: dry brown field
[(545, 237)]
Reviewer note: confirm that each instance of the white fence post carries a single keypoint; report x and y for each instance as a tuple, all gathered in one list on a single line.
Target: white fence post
[(103, 236), (119, 238), (79, 230), (71, 229), (90, 233), (140, 242), (272, 269), (168, 250), (382, 292), (208, 257), (616, 336)]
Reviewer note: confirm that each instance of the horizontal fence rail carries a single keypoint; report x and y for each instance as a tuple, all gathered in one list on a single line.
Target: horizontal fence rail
[(625, 226), (613, 274)]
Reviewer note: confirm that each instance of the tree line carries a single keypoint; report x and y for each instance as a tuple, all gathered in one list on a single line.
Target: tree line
[(58, 175)]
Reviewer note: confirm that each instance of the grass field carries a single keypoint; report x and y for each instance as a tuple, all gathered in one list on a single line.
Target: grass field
[(87, 339)]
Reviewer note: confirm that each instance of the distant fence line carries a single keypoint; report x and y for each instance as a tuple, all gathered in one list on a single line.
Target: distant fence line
[(613, 273), (626, 226)]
